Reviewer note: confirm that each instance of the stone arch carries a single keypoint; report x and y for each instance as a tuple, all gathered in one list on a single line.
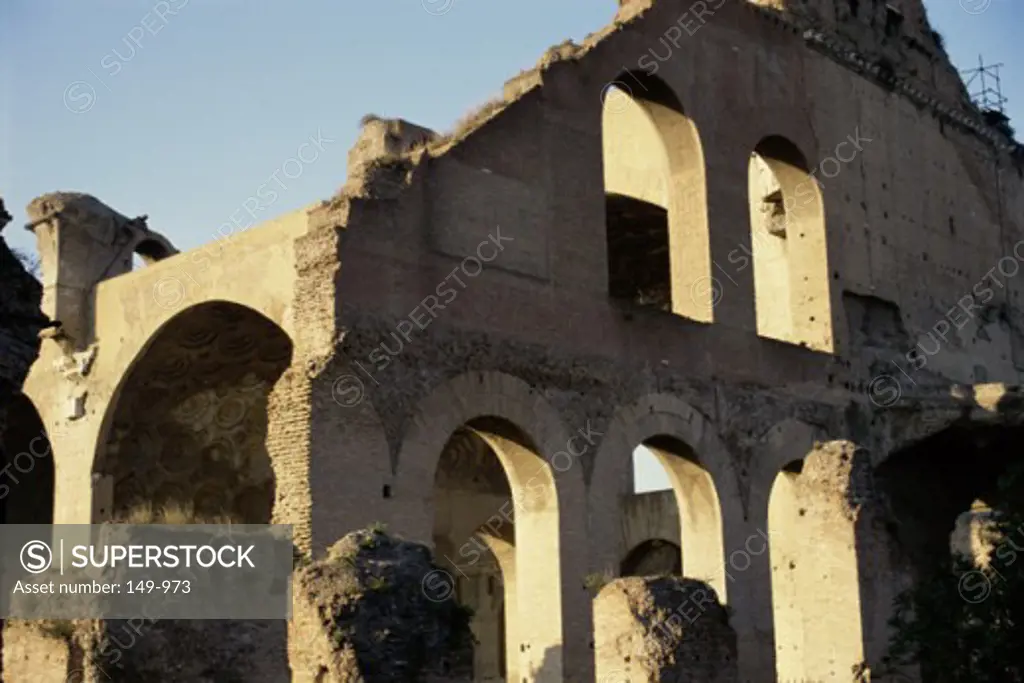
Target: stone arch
[(779, 448), (513, 423), (658, 240), (790, 249), (702, 473), (944, 494), (812, 493), (186, 428), (931, 491), (26, 456), (154, 248), (653, 557)]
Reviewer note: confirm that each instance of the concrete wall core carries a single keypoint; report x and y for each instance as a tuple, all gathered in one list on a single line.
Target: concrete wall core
[(662, 629)]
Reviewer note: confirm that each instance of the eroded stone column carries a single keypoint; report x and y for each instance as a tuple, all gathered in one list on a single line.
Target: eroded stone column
[(824, 551), (662, 629), (82, 242)]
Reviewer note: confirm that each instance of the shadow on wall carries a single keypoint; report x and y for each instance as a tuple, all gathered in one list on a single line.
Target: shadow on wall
[(26, 496), (931, 486), (655, 557), (550, 669), (190, 425)]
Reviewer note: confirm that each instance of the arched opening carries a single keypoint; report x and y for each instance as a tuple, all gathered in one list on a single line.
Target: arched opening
[(655, 557), (938, 484), (185, 439), (669, 479), (27, 459), (657, 236), (813, 524), (495, 502), (153, 250), (138, 247), (790, 255), (945, 492)]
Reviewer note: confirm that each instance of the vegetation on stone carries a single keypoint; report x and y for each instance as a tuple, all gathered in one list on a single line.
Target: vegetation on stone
[(962, 622)]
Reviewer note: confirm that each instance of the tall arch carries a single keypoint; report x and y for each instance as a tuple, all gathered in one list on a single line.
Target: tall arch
[(812, 495), (185, 432), (514, 437), (702, 476), (790, 254), (659, 250), (27, 457)]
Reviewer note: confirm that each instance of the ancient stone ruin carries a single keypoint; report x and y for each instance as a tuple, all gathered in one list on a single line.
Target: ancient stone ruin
[(662, 629), (769, 245), (372, 610)]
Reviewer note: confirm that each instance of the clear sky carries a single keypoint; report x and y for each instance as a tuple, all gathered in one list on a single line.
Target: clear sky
[(207, 103)]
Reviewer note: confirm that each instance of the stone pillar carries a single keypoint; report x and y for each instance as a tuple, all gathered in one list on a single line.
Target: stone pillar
[(662, 629), (290, 415), (824, 594), (976, 534), (330, 451), (82, 242), (40, 651)]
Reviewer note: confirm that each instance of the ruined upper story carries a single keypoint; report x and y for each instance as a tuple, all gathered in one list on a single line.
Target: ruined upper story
[(844, 121), (893, 35), (802, 195)]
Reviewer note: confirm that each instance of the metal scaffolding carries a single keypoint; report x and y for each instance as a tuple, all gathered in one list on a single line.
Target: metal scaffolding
[(988, 91)]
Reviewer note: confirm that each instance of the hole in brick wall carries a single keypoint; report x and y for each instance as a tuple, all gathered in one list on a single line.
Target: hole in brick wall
[(638, 252), (893, 21), (386, 493)]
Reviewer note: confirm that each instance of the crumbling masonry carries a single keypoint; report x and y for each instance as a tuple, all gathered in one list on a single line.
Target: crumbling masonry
[(772, 242)]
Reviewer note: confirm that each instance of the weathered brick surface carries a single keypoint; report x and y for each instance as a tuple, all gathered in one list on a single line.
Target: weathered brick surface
[(657, 630)]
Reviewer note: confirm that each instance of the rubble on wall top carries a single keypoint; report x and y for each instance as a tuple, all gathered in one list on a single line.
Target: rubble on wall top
[(629, 12), (843, 53)]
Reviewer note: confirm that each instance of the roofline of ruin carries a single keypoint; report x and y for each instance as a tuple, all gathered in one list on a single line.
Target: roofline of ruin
[(827, 45), (813, 38)]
